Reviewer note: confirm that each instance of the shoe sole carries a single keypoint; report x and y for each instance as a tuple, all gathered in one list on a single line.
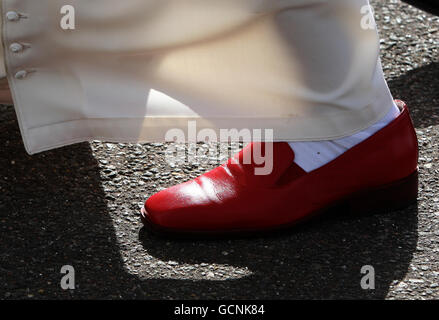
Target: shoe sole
[(393, 196)]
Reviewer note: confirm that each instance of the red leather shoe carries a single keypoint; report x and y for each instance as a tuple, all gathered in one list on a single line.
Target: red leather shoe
[(379, 173)]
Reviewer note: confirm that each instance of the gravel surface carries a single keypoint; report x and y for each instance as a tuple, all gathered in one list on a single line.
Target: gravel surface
[(79, 206)]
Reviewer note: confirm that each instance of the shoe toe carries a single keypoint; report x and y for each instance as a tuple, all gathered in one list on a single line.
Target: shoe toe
[(179, 207)]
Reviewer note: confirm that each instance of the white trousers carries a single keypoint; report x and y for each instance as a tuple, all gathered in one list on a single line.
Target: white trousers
[(133, 70)]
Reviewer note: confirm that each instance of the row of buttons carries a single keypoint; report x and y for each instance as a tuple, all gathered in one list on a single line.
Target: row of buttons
[(17, 47)]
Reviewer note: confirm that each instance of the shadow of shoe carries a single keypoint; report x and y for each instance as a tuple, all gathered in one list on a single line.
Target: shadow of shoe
[(318, 260)]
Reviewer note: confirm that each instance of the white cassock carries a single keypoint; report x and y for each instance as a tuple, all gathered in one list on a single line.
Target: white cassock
[(133, 70)]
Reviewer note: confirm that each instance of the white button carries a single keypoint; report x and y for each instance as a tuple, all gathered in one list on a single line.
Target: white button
[(12, 16), (21, 74), (16, 47)]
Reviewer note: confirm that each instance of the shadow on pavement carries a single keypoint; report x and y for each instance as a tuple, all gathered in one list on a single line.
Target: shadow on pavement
[(419, 88), (53, 212)]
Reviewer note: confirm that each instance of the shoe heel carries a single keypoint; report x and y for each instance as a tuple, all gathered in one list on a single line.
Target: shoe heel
[(394, 196)]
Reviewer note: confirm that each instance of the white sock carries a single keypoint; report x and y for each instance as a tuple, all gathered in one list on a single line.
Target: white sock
[(311, 155)]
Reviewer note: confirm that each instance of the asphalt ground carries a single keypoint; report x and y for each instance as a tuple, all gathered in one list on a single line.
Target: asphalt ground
[(79, 206)]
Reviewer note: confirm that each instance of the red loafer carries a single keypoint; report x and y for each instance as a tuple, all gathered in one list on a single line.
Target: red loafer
[(378, 174)]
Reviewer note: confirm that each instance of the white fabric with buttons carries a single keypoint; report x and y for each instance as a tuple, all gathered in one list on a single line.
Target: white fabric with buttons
[(133, 70)]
